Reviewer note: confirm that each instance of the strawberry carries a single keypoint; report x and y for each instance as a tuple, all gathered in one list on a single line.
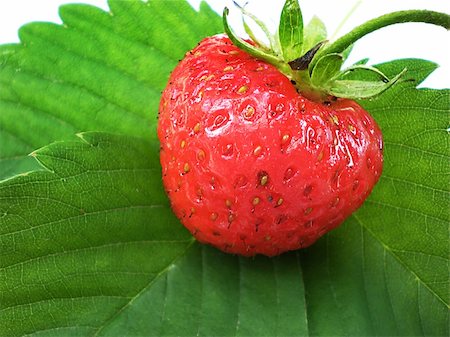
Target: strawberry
[(250, 165), (259, 157)]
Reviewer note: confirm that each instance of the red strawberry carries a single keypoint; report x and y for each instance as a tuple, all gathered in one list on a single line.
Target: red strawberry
[(250, 165)]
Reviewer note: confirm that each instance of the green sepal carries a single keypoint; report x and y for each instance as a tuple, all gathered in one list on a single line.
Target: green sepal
[(246, 14), (356, 89), (245, 46), (346, 53), (290, 31), (326, 68), (303, 62), (252, 35), (305, 56), (362, 61), (267, 56), (313, 33), (357, 69)]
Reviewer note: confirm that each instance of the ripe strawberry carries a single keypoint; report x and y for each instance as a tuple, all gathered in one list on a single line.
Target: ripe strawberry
[(250, 165)]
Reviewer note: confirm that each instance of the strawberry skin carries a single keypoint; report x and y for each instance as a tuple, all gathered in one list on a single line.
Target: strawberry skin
[(252, 167)]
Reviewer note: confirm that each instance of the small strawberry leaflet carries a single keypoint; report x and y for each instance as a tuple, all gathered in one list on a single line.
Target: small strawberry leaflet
[(65, 272)]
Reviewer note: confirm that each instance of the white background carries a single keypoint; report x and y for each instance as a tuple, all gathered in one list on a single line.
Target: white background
[(405, 40)]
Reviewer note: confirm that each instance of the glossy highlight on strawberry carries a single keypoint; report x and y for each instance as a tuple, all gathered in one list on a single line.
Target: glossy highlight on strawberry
[(250, 165)]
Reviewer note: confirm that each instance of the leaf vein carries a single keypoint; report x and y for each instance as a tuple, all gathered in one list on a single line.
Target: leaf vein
[(405, 209), (398, 258), (132, 207), (428, 152), (29, 304), (103, 246), (108, 65), (130, 302), (434, 189)]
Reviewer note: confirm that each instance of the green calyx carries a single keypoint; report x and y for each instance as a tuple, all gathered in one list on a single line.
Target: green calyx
[(305, 56)]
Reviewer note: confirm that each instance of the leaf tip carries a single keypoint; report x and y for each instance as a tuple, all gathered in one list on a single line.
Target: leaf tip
[(24, 174), (82, 137), (37, 155)]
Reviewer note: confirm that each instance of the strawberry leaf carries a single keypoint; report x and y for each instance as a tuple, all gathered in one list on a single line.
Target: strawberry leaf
[(290, 31), (89, 246), (130, 53), (81, 238)]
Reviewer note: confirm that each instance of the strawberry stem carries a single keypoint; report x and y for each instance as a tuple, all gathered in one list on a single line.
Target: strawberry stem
[(317, 68), (424, 16)]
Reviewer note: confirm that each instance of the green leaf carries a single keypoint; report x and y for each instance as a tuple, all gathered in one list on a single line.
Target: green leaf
[(314, 32), (290, 31), (89, 246), (79, 240), (209, 293), (110, 69)]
